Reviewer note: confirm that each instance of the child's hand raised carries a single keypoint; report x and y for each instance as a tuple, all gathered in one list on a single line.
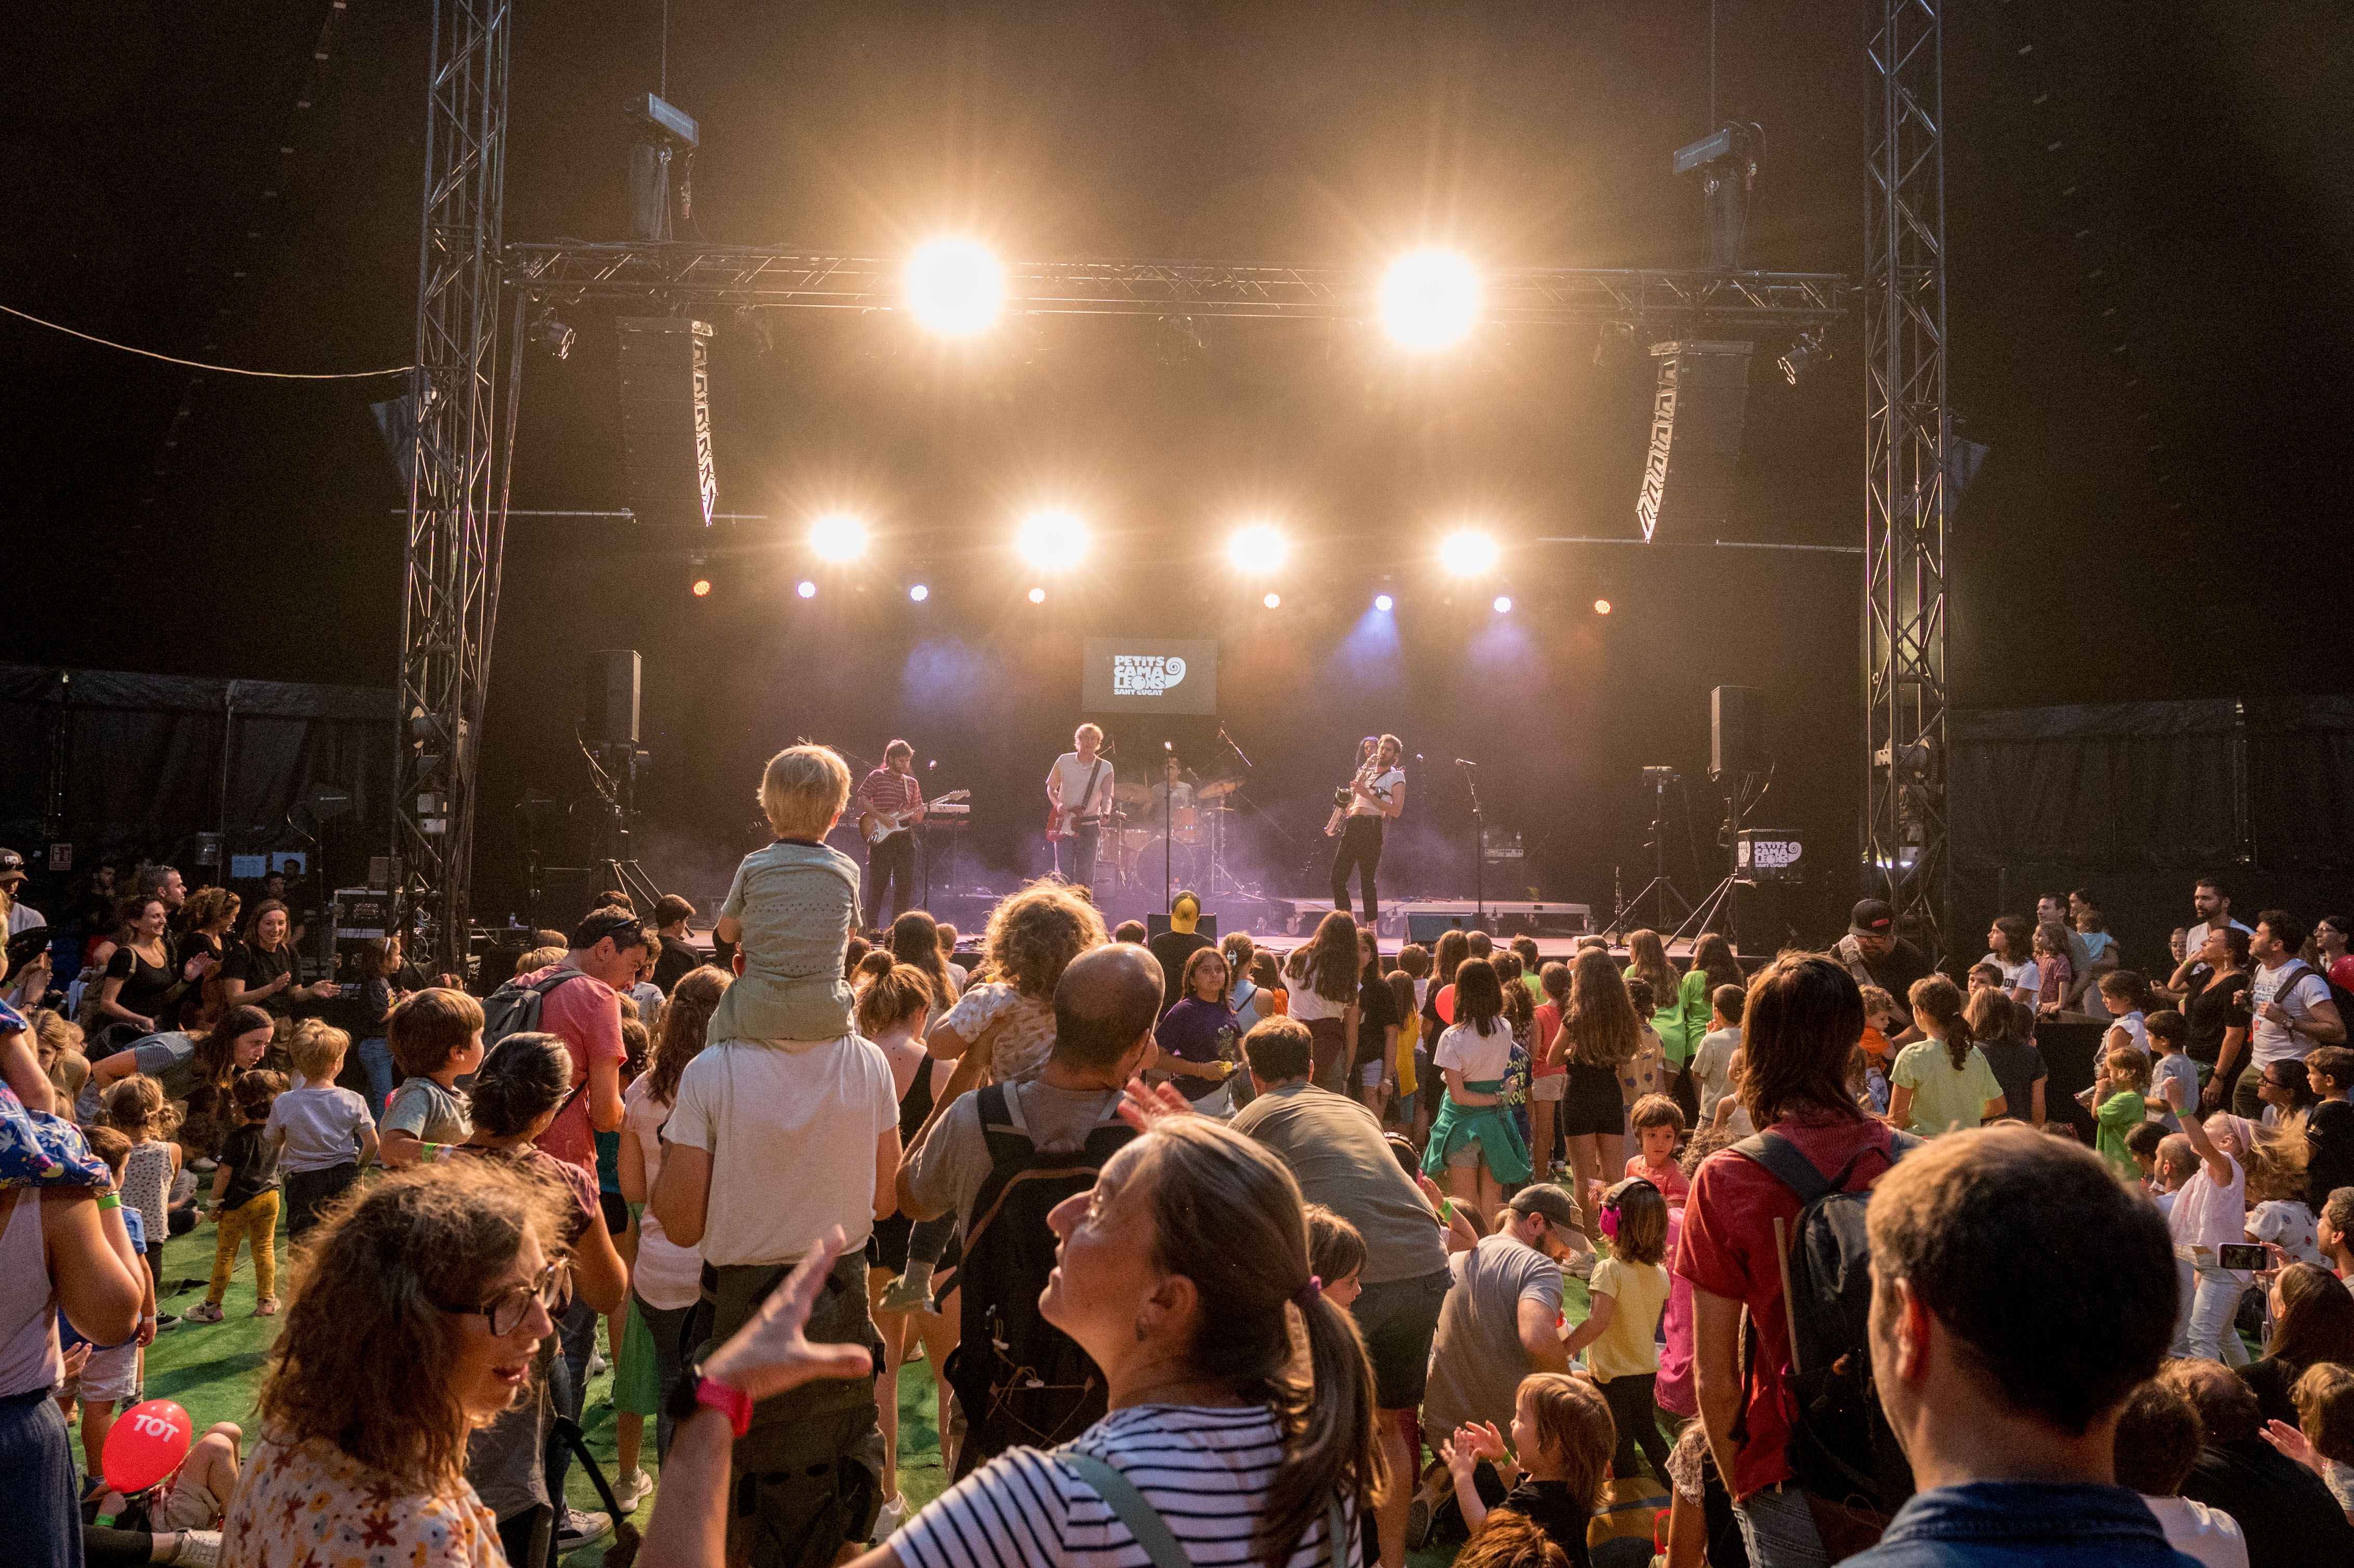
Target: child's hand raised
[(1482, 1440), (1460, 1461)]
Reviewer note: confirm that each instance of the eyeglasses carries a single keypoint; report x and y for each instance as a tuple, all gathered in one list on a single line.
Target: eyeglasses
[(506, 1311)]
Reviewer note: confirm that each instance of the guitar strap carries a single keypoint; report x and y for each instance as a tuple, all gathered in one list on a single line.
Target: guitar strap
[(1087, 796)]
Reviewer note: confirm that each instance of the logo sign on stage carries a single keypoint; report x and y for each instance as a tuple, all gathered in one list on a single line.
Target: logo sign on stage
[(1149, 674)]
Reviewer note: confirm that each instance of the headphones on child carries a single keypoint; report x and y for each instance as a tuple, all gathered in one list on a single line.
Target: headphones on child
[(1606, 1222)]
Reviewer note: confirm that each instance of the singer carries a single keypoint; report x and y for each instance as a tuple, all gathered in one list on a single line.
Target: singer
[(1375, 794)]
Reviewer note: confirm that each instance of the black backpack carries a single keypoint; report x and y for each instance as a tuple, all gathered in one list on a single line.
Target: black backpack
[(1841, 1447), (513, 1008), (1019, 1378)]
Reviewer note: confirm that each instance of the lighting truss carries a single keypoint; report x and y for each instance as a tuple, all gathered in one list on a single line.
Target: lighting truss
[(756, 276), (1906, 852), (456, 517)]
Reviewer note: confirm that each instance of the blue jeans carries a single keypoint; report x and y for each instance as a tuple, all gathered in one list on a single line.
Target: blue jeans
[(38, 1512), (1779, 1529), (375, 1058), (2203, 1326)]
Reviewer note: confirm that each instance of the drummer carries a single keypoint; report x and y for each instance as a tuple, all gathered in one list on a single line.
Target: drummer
[(1173, 796)]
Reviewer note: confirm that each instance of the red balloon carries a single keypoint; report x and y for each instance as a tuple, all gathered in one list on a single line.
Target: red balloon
[(147, 1444)]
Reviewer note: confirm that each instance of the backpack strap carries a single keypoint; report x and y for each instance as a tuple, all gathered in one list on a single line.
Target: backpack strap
[(1788, 1163), (1000, 1125), (1142, 1520), (1152, 1532)]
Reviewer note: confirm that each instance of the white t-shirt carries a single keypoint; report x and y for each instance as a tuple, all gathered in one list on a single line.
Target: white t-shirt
[(666, 1275), (2274, 1043), (1072, 775), (2193, 1528), (1306, 1005), (1712, 1063), (1479, 1057), (2195, 936), (791, 1128), (2205, 1214), (24, 917), (2137, 1029), (2017, 976), (1384, 785)]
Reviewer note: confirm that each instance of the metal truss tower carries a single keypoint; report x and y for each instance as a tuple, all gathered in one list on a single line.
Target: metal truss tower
[(1906, 855), (457, 504)]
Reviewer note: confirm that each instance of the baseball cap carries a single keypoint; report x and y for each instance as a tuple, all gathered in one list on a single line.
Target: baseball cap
[(1871, 917), (12, 865), (1544, 1198)]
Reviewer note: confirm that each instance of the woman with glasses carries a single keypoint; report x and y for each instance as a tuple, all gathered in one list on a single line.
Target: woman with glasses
[(417, 1323), (523, 1082)]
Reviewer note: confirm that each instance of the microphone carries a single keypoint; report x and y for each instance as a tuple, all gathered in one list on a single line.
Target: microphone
[(1460, 762)]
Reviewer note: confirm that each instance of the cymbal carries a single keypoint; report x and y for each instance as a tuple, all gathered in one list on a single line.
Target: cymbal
[(1215, 791), (1131, 794)]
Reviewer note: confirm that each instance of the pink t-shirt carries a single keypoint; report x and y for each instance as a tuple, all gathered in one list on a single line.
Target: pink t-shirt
[(586, 1015), (1548, 1025), (1673, 1393), (1668, 1178)]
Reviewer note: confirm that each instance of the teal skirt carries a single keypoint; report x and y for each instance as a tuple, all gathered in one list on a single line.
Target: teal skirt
[(1491, 1127)]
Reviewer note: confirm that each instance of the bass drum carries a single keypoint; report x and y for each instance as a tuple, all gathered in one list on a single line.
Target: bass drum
[(1183, 866)]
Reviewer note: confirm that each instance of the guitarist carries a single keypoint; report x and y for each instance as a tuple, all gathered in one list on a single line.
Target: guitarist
[(1376, 795), (1080, 785), (892, 790)]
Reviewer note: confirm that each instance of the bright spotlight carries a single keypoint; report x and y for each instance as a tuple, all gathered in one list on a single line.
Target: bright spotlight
[(1467, 553), (1384, 603), (1430, 300), (1038, 596), (1257, 549), (837, 538), (920, 593), (807, 588), (955, 287), (1052, 540), (702, 588), (1273, 601), (1504, 604), (1601, 607)]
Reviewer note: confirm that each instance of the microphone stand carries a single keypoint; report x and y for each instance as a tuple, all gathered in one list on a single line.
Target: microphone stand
[(1478, 847)]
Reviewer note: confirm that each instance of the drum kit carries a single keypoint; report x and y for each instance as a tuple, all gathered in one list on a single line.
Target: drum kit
[(1187, 844)]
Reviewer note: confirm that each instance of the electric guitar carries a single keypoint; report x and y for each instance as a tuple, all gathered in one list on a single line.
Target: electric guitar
[(876, 826), (1345, 796)]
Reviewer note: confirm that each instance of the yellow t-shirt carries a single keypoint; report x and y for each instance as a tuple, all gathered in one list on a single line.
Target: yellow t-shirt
[(1627, 1348)]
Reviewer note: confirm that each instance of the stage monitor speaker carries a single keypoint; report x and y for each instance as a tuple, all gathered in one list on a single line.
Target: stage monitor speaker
[(665, 373), (1156, 924), (1737, 731), (608, 713), (1696, 415), (1428, 929), (564, 894)]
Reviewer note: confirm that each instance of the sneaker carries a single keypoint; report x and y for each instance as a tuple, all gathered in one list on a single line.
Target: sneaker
[(166, 1323), (197, 1548), (903, 1295), (630, 1490), (266, 1308), (202, 1312), (893, 1515), (597, 1363), (1421, 1518), (205, 1164), (579, 1527)]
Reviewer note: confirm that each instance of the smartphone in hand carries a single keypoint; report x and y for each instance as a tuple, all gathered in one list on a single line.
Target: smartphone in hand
[(2242, 1254)]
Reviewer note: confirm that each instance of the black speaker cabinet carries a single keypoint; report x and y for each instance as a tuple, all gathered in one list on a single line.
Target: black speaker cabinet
[(1737, 731), (610, 705)]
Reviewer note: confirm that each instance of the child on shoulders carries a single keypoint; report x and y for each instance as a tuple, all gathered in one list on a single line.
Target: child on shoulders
[(792, 909)]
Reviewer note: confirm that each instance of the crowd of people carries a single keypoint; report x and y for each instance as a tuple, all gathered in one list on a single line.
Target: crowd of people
[(1216, 1254)]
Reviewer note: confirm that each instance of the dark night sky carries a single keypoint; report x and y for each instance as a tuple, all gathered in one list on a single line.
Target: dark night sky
[(2148, 221)]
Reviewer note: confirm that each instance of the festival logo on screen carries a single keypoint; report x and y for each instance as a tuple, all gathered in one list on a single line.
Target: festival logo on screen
[(1146, 674)]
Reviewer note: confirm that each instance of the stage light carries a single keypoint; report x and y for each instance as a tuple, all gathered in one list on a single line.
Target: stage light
[(1430, 300), (1052, 540), (1504, 604), (1384, 603), (702, 588), (1601, 607), (807, 588), (1468, 553), (1038, 596), (1803, 355), (1257, 549), (837, 538), (1273, 601), (920, 593), (955, 287)]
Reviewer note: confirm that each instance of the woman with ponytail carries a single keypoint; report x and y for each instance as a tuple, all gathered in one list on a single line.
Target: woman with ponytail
[(1944, 1081), (1180, 1273)]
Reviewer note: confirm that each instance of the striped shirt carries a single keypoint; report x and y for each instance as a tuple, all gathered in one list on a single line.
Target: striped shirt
[(890, 793), (1205, 1469)]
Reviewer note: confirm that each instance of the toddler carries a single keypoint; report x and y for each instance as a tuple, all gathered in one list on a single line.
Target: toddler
[(793, 908), (1628, 1290), (2324, 1418), (2055, 976), (1712, 1064), (2166, 1030), (2177, 1163), (437, 1038), (2143, 1143), (1658, 1124), (314, 1128), (245, 1199), (1336, 1255), (137, 1109), (2127, 996), (1563, 1433), (1879, 1012), (2117, 1101), (1639, 1074), (109, 1375)]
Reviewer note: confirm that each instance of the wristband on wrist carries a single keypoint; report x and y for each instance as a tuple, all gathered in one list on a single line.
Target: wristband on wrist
[(110, 1200), (695, 1391), (1447, 1212)]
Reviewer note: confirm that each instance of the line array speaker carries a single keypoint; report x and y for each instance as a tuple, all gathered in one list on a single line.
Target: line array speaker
[(666, 371), (1696, 416)]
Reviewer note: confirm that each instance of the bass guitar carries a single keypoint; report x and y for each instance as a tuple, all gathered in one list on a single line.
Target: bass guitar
[(876, 826)]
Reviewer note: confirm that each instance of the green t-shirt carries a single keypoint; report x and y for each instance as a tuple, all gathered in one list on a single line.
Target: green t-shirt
[(2114, 1117), (1944, 1098)]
